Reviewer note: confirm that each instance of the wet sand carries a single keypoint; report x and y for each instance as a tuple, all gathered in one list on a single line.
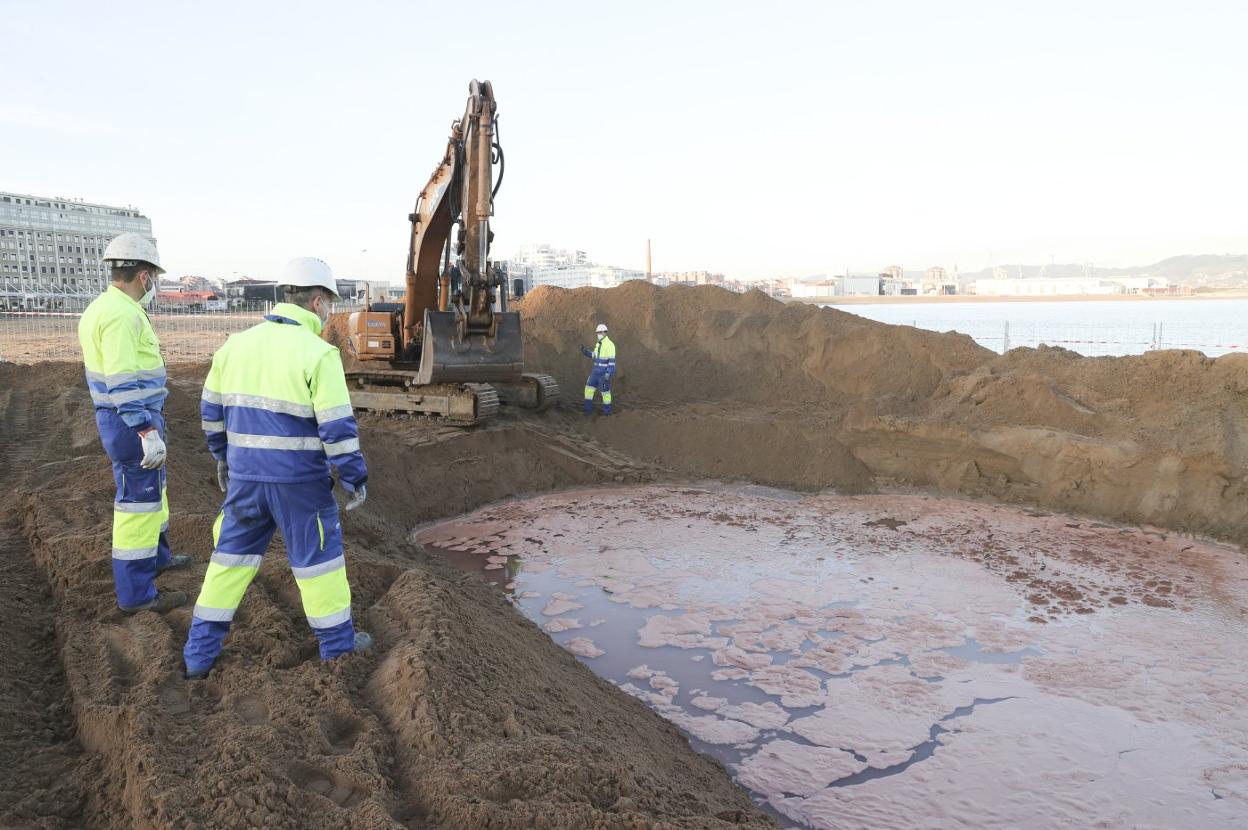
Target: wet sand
[(886, 660)]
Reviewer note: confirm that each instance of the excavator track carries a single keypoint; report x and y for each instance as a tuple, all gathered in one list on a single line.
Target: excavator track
[(386, 390), (533, 391), (487, 400), (549, 390)]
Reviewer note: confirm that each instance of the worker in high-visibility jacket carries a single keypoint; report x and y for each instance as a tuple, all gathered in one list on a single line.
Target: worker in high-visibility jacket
[(278, 419), (603, 355), (126, 378)]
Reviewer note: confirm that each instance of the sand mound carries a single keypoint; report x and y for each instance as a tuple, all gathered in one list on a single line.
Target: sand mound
[(686, 344), (742, 386), (734, 386)]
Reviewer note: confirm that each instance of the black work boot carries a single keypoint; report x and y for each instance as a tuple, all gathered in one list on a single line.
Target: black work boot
[(162, 602), (200, 674)]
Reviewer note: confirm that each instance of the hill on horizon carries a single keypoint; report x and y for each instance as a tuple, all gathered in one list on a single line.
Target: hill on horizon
[(1179, 268)]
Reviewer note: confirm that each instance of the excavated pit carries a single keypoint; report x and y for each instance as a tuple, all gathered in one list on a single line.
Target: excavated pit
[(468, 715), (899, 660)]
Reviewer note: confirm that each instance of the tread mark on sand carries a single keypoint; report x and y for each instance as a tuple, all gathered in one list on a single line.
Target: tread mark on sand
[(124, 668), (252, 710), (175, 700), (341, 732), (327, 784)]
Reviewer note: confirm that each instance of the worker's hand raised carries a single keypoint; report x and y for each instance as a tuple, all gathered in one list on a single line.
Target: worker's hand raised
[(154, 450)]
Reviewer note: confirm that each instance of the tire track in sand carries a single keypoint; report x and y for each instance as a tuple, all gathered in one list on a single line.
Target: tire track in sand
[(37, 728)]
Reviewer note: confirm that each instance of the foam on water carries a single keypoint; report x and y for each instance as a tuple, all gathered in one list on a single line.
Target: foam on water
[(876, 661)]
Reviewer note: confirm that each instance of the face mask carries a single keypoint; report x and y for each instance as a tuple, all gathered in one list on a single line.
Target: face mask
[(600, 336), (146, 299), (324, 318)]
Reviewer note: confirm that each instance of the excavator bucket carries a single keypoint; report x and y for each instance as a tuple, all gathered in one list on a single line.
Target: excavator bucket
[(449, 355)]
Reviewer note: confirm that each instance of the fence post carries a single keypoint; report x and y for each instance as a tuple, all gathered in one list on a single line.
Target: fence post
[(1006, 339), (1160, 334)]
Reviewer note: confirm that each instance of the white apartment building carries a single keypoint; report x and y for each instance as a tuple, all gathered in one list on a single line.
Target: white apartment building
[(542, 256), (51, 248), (593, 276)]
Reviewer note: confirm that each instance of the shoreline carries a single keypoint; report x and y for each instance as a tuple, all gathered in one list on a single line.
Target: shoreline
[(975, 298)]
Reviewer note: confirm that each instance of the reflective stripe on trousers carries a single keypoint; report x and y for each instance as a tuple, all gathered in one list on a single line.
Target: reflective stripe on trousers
[(598, 381), (140, 512), (307, 516)]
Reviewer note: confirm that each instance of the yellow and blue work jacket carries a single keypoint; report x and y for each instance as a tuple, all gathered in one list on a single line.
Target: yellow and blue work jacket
[(275, 404), (604, 357), (121, 353)]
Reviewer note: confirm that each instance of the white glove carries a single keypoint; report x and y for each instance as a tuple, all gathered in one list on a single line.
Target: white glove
[(357, 498), (223, 476), (154, 450)]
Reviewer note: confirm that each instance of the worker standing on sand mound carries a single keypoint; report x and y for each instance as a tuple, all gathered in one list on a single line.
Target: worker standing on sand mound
[(603, 355), (126, 377), (277, 415)]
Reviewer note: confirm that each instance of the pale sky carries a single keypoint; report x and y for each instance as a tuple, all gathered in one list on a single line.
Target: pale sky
[(753, 138)]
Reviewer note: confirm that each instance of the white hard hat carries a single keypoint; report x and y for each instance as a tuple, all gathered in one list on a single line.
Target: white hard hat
[(602, 328), (307, 271), (133, 249)]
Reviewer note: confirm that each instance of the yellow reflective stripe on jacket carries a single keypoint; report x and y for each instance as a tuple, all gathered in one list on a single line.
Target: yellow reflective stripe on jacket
[(275, 404)]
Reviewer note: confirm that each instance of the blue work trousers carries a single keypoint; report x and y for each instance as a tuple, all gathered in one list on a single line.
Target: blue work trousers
[(599, 381), (307, 516), (140, 510)]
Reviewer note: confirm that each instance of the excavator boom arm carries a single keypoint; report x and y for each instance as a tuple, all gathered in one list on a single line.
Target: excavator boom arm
[(459, 191), (450, 351)]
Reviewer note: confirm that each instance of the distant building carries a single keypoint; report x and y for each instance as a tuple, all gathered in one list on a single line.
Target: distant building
[(1142, 285), (693, 278), (542, 257), (1045, 286), (860, 285), (936, 280), (593, 276), (817, 286), (51, 249), (185, 300), (375, 291), (890, 287), (191, 283), (350, 290), (893, 272), (247, 291), (770, 287)]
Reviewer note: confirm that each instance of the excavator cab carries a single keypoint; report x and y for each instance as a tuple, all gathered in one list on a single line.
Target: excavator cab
[(453, 329)]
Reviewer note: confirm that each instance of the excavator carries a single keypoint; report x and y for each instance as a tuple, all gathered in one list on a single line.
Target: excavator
[(450, 348)]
